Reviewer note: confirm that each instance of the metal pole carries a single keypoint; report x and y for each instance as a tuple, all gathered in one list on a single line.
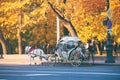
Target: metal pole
[(109, 46), (58, 27)]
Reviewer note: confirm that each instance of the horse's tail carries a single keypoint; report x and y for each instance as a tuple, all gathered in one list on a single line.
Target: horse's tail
[(45, 55)]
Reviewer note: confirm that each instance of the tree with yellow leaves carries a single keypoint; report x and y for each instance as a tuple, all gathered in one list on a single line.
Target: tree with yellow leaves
[(82, 18), (16, 19)]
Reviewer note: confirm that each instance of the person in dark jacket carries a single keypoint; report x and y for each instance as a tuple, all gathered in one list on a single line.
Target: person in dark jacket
[(91, 48)]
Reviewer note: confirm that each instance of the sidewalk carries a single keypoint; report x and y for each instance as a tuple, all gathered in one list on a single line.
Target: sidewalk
[(15, 59)]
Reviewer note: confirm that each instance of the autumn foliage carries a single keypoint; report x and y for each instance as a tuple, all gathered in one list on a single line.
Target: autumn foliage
[(86, 16)]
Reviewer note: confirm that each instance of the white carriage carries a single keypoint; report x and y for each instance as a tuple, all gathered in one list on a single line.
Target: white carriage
[(70, 50)]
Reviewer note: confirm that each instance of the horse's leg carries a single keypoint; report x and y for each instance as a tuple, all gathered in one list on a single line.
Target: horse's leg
[(29, 58), (46, 57), (40, 58), (34, 60)]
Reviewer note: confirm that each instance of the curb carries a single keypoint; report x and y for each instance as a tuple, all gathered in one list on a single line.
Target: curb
[(24, 60)]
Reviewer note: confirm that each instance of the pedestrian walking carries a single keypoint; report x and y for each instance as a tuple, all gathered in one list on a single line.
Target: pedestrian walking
[(115, 48), (91, 49)]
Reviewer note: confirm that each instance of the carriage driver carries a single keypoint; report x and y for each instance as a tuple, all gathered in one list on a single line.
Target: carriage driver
[(80, 47)]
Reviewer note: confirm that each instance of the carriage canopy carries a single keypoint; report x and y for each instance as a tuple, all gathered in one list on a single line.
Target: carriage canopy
[(68, 42)]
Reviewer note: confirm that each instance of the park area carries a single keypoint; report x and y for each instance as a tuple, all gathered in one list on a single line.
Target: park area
[(42, 23)]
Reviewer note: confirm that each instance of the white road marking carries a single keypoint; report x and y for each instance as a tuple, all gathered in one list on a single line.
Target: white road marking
[(73, 70), (46, 73), (26, 75), (38, 74)]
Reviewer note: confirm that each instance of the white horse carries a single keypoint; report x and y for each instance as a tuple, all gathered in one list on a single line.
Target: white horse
[(32, 53)]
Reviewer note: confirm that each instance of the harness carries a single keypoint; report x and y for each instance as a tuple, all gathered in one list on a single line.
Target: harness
[(31, 49)]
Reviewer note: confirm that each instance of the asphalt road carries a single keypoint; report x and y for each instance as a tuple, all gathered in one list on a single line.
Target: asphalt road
[(87, 72)]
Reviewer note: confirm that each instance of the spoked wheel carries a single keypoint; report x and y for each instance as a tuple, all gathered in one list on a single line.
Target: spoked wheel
[(52, 59), (75, 58)]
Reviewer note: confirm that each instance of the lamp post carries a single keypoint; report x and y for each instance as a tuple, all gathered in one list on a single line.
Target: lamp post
[(58, 27), (109, 46)]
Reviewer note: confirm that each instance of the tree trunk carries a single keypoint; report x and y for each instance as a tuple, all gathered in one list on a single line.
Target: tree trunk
[(19, 43), (70, 28), (19, 31), (2, 41), (66, 23)]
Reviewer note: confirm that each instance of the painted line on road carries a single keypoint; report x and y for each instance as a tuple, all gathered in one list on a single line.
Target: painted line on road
[(39, 74), (25, 75), (3, 79), (44, 73), (88, 70)]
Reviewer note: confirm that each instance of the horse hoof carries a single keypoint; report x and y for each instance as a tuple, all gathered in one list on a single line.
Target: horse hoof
[(42, 64)]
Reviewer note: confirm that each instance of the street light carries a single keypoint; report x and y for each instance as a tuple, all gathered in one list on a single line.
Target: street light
[(109, 46), (58, 27)]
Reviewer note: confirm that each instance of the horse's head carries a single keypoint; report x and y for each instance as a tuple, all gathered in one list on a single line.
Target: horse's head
[(27, 48)]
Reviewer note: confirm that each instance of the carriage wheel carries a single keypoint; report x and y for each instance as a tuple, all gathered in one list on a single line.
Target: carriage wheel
[(75, 58), (52, 59)]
